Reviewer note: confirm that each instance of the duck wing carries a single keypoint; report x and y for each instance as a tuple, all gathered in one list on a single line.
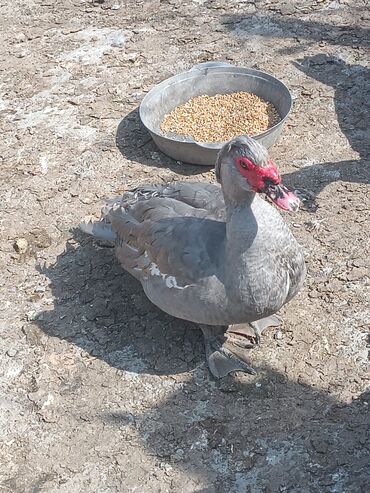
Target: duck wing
[(175, 230), (200, 195)]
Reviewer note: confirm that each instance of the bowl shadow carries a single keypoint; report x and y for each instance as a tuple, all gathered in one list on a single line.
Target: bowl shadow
[(135, 143)]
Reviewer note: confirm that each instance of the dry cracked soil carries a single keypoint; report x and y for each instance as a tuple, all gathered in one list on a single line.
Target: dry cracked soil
[(100, 392)]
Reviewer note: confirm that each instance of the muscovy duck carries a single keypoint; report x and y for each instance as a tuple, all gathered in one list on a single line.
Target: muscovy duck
[(221, 257)]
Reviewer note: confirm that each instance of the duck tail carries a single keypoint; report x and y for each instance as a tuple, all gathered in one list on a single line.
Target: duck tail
[(101, 230)]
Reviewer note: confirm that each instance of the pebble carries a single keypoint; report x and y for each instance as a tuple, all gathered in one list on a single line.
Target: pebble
[(278, 335), (39, 289), (20, 245), (178, 455), (86, 200), (288, 9), (31, 315), (320, 445), (11, 353), (166, 468)]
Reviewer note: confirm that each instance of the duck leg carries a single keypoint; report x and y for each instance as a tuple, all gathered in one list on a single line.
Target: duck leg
[(222, 355)]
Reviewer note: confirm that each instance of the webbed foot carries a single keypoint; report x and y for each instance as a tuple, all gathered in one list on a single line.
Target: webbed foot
[(222, 355), (254, 330), (227, 347)]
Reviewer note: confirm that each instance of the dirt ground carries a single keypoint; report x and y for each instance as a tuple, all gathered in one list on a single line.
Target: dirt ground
[(100, 391)]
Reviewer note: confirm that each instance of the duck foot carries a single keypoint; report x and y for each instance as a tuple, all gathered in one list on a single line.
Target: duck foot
[(222, 355), (254, 330)]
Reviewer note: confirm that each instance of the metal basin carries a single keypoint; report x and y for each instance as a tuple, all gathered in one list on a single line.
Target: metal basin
[(209, 78)]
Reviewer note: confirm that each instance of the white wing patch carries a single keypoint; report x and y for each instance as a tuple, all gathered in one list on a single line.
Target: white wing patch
[(170, 281), (287, 283)]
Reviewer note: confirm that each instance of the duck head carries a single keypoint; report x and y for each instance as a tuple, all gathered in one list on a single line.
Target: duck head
[(243, 166)]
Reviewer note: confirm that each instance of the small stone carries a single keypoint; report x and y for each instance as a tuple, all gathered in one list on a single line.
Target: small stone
[(278, 335), (48, 415), (86, 200), (115, 7), (166, 468), (357, 273), (31, 315), (288, 9), (320, 445), (131, 57), (314, 294), (178, 455), (74, 192), (258, 384), (11, 353), (39, 289), (40, 239), (20, 245), (20, 37)]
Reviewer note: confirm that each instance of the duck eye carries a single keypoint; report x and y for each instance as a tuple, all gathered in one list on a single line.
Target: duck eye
[(245, 163)]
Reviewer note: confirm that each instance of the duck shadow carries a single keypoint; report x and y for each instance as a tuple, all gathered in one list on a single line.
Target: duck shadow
[(240, 434), (104, 311), (135, 143), (239, 437)]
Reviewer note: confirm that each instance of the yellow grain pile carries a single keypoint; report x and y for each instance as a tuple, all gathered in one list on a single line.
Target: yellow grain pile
[(221, 117)]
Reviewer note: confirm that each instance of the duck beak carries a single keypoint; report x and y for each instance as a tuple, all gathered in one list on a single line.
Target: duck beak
[(283, 197)]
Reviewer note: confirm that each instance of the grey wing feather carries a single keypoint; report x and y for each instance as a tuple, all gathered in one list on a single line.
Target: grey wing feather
[(170, 236), (203, 195), (155, 223)]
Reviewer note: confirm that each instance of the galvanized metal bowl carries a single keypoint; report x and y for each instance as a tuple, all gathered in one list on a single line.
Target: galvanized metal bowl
[(209, 78)]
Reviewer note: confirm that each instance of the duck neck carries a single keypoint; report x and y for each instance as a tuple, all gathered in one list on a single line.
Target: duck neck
[(241, 224), (238, 202), (240, 245)]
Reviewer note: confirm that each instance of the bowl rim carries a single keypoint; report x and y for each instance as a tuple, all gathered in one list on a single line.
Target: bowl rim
[(221, 67)]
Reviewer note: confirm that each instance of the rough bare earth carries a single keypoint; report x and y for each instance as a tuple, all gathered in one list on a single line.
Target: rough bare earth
[(100, 391)]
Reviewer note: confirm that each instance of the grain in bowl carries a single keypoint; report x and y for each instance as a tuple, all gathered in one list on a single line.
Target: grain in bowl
[(221, 117)]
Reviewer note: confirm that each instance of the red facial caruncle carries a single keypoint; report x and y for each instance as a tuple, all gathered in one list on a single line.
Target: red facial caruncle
[(267, 180), (257, 176)]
